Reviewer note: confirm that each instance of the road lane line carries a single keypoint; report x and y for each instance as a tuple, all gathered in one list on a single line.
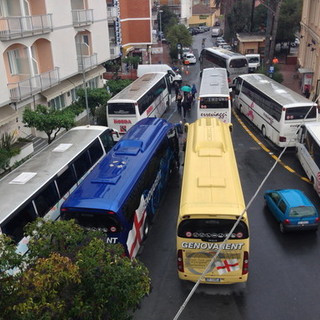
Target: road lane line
[(262, 146)]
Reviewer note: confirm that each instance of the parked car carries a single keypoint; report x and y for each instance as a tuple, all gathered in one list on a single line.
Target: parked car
[(220, 42), (226, 46), (189, 58), (292, 209)]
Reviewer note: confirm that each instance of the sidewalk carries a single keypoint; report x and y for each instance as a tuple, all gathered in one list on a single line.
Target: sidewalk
[(290, 77)]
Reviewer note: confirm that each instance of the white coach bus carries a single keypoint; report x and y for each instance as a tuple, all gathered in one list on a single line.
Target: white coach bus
[(214, 95), (275, 109), (308, 152)]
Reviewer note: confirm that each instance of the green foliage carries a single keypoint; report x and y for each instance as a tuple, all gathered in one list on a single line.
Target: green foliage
[(101, 116), (73, 274), (277, 75), (48, 120), (239, 17), (168, 20), (76, 108), (116, 86), (7, 149), (178, 34), (131, 61), (96, 97), (289, 20)]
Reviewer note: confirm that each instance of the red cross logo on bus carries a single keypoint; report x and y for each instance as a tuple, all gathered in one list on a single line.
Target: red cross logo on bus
[(227, 265)]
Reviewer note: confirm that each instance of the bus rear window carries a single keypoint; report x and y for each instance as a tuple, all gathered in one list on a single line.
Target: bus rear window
[(212, 230), (121, 108), (238, 63), (93, 220), (299, 113), (214, 103)]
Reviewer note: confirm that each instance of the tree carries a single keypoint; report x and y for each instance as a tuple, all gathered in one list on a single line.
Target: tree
[(239, 18), (72, 273), (115, 86), (178, 34), (48, 120), (7, 150), (96, 97), (168, 19)]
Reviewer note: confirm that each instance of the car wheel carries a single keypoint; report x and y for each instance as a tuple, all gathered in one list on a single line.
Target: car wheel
[(263, 130), (282, 228)]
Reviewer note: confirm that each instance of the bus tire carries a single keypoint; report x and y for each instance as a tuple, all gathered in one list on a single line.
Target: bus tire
[(263, 130)]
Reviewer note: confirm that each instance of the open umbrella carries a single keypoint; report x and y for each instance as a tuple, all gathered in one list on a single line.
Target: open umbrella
[(186, 88)]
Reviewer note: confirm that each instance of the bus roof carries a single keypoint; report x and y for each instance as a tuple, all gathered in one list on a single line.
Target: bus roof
[(138, 87), (314, 129), (29, 177), (108, 185), (214, 82), (276, 91), (225, 53), (211, 183)]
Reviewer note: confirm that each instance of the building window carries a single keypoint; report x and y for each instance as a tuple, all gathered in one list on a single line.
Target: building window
[(14, 61), (57, 103)]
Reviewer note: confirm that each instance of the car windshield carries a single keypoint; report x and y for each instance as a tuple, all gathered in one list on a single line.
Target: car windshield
[(300, 212)]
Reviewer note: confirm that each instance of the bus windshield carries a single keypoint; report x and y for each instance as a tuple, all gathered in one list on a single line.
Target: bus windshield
[(214, 103), (238, 63), (299, 113), (212, 230), (121, 108), (101, 220)]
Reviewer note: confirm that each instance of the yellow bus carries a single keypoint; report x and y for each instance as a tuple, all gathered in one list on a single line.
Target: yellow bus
[(212, 226)]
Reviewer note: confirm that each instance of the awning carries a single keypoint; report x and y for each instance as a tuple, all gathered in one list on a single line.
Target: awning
[(127, 49), (7, 114), (305, 70), (58, 90)]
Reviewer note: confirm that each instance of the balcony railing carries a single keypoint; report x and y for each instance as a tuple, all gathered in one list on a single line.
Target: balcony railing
[(82, 17), (87, 62), (112, 13), (29, 87), (114, 51), (19, 27)]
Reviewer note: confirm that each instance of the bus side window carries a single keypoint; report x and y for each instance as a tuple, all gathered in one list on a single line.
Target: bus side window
[(107, 140), (47, 198), (95, 151), (15, 226), (65, 181), (82, 165)]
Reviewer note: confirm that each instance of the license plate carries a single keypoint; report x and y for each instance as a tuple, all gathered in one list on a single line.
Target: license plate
[(212, 279), (303, 222)]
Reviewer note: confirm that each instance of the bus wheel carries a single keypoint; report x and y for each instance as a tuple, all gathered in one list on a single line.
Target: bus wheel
[(263, 130), (282, 229)]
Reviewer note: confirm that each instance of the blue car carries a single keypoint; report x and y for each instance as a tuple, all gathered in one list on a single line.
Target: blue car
[(293, 209)]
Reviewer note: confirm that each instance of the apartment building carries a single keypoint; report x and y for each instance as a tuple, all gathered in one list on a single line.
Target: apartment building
[(49, 49), (182, 8), (136, 27), (309, 50)]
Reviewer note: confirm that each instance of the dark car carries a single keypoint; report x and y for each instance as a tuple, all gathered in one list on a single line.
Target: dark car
[(292, 209)]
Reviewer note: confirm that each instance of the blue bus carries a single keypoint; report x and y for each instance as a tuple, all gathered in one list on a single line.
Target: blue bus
[(122, 194)]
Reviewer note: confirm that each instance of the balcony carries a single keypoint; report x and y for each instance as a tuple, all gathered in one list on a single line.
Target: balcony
[(114, 51), (112, 13), (82, 17), (20, 27), (31, 86), (86, 62)]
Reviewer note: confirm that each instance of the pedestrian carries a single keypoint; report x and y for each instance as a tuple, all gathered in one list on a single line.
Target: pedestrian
[(179, 101), (193, 91), (185, 105), (190, 100), (176, 88)]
